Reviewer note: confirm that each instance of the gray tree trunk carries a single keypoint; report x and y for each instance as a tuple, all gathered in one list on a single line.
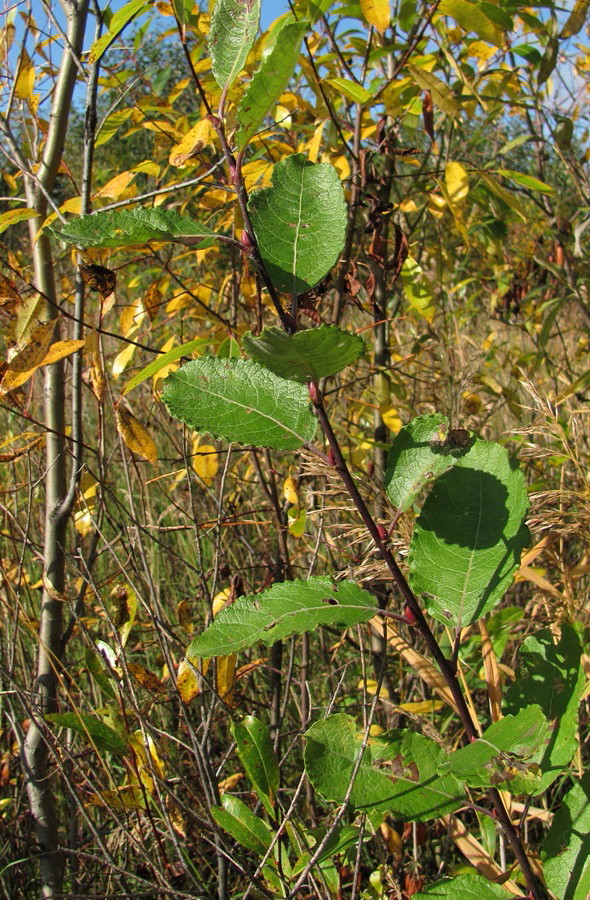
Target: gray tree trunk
[(40, 781)]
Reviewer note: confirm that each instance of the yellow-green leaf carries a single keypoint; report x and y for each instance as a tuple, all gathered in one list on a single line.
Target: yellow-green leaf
[(350, 89), (442, 95), (15, 215), (576, 19), (457, 181), (418, 290)]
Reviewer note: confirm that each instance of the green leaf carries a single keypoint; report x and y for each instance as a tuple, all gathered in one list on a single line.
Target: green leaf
[(464, 887), (470, 534), (409, 787), (494, 187), (100, 673), (300, 222), (258, 758), (306, 355), (234, 25), (132, 226), (238, 400), (550, 674), (350, 89), (442, 95), (118, 22), (105, 737), (246, 828), (420, 453), (566, 853), (290, 607), (269, 81), (164, 360), (495, 757), (527, 181)]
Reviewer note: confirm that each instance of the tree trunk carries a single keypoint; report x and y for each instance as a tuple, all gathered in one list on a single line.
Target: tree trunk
[(39, 781)]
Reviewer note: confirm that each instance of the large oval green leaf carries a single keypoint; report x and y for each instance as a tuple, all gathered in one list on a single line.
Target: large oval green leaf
[(408, 786), (290, 607), (234, 24), (238, 400), (306, 355), (300, 222), (421, 452), (470, 535), (132, 226)]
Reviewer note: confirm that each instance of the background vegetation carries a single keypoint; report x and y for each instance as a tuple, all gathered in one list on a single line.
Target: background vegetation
[(459, 131)]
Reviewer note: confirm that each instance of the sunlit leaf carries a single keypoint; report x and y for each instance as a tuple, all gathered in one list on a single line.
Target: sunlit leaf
[(238, 400), (300, 222), (234, 25), (136, 435)]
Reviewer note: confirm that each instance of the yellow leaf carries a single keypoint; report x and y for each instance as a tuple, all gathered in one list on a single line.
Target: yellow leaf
[(290, 491), (436, 205), (25, 79), (135, 435), (116, 186), (188, 678), (61, 349), (391, 419), (408, 205), (122, 359), (83, 509), (342, 166), (226, 677), (183, 614), (152, 300), (192, 143), (30, 437), (229, 783), (313, 146), (132, 317), (25, 362), (371, 686), (6, 39), (283, 116), (15, 215), (220, 600), (205, 461), (422, 707), (149, 167), (377, 13), (129, 797), (456, 181), (147, 760)]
